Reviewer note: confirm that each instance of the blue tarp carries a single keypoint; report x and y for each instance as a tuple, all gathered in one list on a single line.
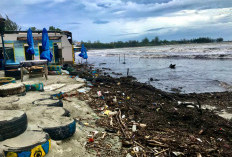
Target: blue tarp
[(46, 54), (83, 53), (30, 42)]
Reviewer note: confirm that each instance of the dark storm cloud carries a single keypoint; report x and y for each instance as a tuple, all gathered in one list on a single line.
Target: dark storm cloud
[(137, 18)]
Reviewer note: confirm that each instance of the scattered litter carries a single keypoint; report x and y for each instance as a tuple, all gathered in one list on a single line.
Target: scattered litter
[(107, 112), (178, 153), (89, 84), (86, 124), (99, 93), (115, 99), (112, 113), (84, 90), (64, 72), (78, 79), (34, 87), (142, 125), (110, 130), (185, 103), (134, 128), (58, 95), (136, 149), (198, 139), (128, 155), (199, 155), (91, 140)]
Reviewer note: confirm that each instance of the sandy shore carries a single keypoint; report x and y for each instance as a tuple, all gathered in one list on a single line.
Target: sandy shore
[(128, 118), (79, 110)]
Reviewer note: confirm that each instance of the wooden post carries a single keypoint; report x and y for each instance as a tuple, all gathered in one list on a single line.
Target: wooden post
[(128, 70), (21, 70), (46, 70), (124, 59)]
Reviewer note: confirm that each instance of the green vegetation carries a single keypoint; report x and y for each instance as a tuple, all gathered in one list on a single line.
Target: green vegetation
[(10, 25), (13, 26), (52, 28), (145, 42)]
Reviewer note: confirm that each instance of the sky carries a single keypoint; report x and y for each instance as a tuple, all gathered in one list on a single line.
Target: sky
[(114, 20)]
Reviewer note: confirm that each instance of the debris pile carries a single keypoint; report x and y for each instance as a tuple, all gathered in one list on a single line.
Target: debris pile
[(151, 122)]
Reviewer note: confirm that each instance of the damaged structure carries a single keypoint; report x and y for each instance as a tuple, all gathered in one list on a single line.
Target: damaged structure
[(60, 44)]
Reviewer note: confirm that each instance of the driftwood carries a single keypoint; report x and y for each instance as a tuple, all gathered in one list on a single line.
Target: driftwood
[(156, 143), (161, 151), (121, 125)]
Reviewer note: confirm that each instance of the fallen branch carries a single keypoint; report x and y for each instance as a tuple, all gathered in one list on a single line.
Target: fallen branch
[(120, 118), (161, 151), (156, 143), (120, 125), (103, 136)]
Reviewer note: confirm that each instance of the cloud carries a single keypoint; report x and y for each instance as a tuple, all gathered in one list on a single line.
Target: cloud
[(158, 29), (73, 23), (126, 34), (104, 5), (100, 22), (127, 19)]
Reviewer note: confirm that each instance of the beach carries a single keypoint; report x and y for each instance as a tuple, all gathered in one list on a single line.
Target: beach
[(121, 116)]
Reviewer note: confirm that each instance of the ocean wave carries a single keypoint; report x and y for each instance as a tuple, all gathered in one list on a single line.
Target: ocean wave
[(193, 51)]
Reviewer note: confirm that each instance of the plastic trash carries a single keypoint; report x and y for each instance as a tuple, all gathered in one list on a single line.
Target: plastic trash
[(84, 90), (134, 128), (115, 99), (64, 72), (99, 93), (112, 113), (128, 155), (34, 87), (142, 125), (198, 139), (178, 153), (59, 95), (80, 79), (91, 140), (185, 103), (89, 84), (136, 149), (106, 112)]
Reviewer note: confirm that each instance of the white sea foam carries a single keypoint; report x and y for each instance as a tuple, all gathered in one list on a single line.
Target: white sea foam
[(199, 67), (206, 51)]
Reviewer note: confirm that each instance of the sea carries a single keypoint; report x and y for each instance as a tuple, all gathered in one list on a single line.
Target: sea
[(199, 68)]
